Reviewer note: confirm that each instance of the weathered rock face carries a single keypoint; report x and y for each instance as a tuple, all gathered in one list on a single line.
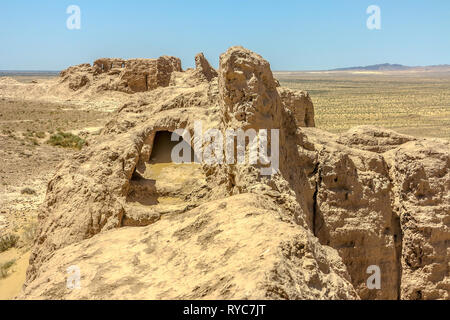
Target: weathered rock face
[(385, 209), (129, 76), (353, 213), (300, 104), (421, 192), (248, 91), (105, 65), (276, 260), (77, 76), (250, 100), (336, 205), (204, 68), (373, 139)]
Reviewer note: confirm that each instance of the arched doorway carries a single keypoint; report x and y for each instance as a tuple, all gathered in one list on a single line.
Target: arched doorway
[(163, 146), (159, 185)]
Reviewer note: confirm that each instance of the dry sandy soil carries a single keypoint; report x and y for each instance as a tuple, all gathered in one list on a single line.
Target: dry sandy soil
[(414, 104), (28, 163)]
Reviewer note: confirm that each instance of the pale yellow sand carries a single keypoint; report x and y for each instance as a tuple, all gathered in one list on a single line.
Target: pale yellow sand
[(12, 284)]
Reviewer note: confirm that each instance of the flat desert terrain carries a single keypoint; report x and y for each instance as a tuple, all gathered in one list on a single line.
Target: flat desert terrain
[(28, 162), (414, 103)]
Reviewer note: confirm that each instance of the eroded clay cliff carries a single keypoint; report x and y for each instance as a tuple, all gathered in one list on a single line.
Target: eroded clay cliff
[(336, 205)]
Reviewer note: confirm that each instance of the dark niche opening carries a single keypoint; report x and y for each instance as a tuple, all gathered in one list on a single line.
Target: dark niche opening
[(163, 146)]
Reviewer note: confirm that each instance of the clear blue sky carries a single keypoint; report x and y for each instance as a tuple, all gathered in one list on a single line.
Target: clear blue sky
[(292, 35)]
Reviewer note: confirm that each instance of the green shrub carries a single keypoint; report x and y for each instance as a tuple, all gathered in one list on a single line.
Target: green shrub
[(66, 140), (28, 191), (8, 241), (5, 267)]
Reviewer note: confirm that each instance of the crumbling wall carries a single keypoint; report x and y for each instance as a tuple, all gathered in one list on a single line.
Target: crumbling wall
[(421, 179), (375, 197), (248, 91), (129, 76), (104, 65), (300, 104), (203, 67)]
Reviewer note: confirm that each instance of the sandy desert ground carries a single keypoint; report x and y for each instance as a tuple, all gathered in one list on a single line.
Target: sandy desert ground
[(414, 103), (28, 162)]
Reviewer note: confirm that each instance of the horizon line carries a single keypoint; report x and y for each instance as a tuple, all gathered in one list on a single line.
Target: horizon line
[(284, 70)]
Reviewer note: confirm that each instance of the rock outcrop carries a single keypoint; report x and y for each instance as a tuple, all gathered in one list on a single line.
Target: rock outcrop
[(421, 200), (129, 76), (300, 104), (248, 91), (353, 214), (335, 205), (197, 255), (203, 67)]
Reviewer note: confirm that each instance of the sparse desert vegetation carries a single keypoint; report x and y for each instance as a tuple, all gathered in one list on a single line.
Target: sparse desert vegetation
[(34, 138), (4, 268), (28, 191), (412, 103), (8, 241), (38, 119), (66, 140)]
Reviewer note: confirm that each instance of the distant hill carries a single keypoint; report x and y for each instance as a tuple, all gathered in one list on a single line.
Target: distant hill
[(392, 67)]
